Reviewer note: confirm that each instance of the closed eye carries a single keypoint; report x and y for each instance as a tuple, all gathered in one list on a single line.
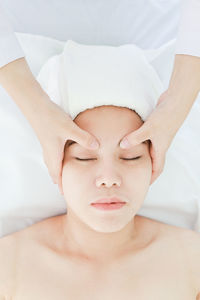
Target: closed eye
[(85, 159)]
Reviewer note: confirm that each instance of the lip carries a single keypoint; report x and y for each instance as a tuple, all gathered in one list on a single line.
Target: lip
[(108, 206), (109, 200)]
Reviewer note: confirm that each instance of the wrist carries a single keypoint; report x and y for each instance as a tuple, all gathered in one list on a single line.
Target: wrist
[(184, 84), (175, 107)]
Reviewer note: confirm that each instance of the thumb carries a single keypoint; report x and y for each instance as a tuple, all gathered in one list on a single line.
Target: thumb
[(136, 137), (84, 138)]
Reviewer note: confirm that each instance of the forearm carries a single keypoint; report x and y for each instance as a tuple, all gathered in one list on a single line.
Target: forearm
[(19, 82), (184, 84)]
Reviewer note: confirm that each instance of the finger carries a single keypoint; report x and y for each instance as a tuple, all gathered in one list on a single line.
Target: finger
[(57, 167), (60, 179), (136, 137), (46, 160), (60, 185), (53, 160), (155, 175), (158, 161), (84, 138)]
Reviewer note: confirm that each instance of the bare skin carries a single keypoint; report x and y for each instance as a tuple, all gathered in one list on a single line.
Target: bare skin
[(89, 255), (36, 265)]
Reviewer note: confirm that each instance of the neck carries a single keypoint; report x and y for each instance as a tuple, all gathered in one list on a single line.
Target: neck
[(86, 243)]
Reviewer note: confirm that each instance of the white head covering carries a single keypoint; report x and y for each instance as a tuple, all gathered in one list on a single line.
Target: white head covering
[(91, 76)]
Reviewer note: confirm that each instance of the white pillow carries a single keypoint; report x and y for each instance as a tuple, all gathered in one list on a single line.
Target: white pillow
[(28, 194)]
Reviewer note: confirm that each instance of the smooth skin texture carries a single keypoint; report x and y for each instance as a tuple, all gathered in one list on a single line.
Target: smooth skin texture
[(87, 254)]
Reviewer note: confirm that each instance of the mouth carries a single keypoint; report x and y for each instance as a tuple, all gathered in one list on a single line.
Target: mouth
[(108, 206), (111, 200), (108, 203)]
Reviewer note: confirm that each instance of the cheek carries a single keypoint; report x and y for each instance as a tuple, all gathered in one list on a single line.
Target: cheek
[(76, 185), (70, 175), (73, 170), (138, 182), (139, 175), (145, 171), (73, 179)]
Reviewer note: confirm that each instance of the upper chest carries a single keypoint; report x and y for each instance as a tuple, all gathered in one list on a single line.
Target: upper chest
[(160, 273)]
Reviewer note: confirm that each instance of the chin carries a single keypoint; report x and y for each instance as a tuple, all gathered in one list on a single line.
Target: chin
[(109, 227)]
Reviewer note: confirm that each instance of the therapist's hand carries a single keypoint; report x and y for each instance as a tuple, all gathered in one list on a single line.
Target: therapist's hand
[(160, 128), (53, 128), (52, 125), (172, 108)]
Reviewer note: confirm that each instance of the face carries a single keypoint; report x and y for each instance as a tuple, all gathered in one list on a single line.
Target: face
[(108, 171)]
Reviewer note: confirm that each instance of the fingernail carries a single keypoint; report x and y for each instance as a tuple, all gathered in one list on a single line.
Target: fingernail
[(125, 143), (94, 144)]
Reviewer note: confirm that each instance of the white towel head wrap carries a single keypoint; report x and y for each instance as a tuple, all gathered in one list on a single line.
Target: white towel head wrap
[(91, 76)]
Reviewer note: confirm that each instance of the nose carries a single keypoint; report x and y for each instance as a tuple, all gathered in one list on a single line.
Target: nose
[(108, 180)]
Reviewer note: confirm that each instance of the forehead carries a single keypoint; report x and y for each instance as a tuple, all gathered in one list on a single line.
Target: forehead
[(71, 143)]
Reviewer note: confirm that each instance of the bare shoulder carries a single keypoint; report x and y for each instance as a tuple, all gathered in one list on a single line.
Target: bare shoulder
[(191, 243), (9, 254), (13, 248)]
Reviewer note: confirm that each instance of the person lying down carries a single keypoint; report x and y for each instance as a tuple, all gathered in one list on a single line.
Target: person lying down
[(101, 248)]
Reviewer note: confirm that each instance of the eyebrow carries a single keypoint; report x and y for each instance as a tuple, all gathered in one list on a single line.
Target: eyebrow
[(73, 142)]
